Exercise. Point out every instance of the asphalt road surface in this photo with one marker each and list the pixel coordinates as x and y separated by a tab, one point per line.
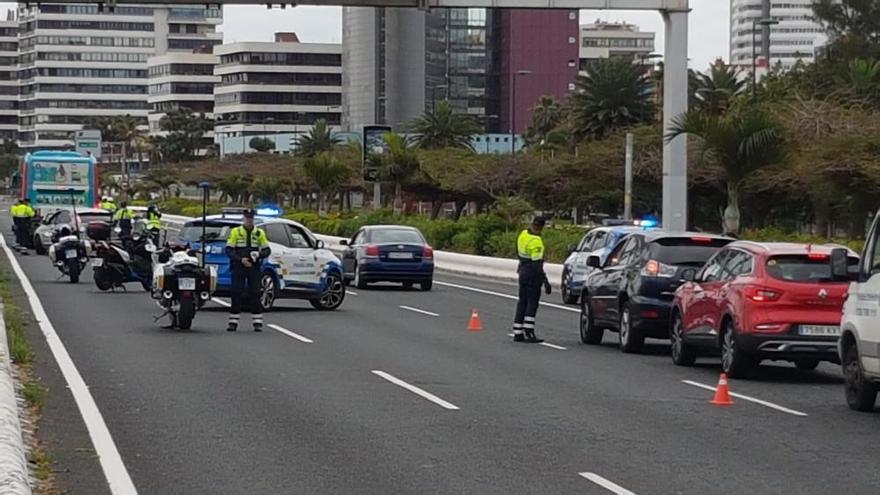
391	394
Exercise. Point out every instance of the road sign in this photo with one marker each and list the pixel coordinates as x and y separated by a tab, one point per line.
88	142
374	144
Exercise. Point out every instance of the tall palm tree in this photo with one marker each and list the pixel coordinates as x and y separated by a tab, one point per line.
319	139
615	93
398	165
327	173
443	128
547	114
740	143
234	187
715	91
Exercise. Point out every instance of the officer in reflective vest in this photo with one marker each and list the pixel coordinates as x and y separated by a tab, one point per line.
123	218
22	213
108	204
154	222
530	251
247	247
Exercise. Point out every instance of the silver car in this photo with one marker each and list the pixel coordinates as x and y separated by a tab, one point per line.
56	220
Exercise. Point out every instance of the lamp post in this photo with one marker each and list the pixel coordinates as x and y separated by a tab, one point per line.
755	23
434	93
521	72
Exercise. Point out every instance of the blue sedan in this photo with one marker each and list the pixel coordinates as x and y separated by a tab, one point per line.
388	253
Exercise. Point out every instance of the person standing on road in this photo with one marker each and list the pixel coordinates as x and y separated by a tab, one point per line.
154	222
247	247
123	218
22	215
108	204
530	251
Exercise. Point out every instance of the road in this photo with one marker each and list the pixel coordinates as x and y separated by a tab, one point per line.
387	399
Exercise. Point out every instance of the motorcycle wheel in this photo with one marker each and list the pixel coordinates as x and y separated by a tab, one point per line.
186	313
73	271
101	280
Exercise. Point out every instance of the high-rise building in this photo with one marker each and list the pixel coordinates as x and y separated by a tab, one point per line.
79	62
181	81
794	39
279	87
8	80
602	40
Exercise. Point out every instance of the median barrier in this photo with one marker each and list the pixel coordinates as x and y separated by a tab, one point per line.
13	459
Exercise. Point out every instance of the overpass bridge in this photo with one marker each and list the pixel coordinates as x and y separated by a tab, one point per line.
675	16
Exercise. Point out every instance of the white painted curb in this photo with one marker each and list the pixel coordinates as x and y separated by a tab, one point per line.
13	460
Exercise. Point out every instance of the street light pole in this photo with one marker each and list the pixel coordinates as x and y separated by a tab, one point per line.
755	22
522	72
434	95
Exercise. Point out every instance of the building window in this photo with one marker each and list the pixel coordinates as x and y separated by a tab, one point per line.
572	16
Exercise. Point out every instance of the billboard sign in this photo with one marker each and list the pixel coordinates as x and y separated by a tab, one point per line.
374	144
88	142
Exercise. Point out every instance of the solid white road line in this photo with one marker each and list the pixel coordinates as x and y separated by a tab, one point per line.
553	346
749	399
290	334
221	302
416	390
606	484
351	293
417	310
111	462
501	294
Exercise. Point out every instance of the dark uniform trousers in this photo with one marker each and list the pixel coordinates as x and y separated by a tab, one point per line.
246	286
527	304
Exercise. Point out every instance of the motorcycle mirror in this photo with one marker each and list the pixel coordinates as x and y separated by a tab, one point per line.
117	230
150	248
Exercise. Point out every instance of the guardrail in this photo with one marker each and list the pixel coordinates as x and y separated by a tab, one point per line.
466	264
13	462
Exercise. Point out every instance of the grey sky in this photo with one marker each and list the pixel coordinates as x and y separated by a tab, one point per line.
708	31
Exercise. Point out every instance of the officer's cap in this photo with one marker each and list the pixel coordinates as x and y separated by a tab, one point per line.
249	213
539	221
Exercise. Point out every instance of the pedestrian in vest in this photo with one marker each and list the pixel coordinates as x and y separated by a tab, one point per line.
123	218
247	247
530	251
22	215
154	222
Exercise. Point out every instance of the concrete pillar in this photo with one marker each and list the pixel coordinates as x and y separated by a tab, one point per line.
675	102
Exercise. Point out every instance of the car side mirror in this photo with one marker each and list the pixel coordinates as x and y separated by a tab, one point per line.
572	248
320	244
343	242
839	264
594	262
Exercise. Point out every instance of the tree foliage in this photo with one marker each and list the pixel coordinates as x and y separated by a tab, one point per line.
615	93
442	127
184	136
318	140
261	144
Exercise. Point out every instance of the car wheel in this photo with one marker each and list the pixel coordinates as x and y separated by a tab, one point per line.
426	285
268	291
333	294
359	282
861	394
734	360
567	296
631	339
408	285
38	245
807	364
682	353
590	334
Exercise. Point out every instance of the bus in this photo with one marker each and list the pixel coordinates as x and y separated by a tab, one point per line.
49	177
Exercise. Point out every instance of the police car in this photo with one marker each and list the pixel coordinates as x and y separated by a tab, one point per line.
299	267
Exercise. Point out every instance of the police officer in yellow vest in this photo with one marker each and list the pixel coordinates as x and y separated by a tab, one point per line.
530	251
22	213
123	218
108	204
247	247
154	222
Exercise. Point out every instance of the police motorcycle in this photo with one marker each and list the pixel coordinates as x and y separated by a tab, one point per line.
116	264
182	284
68	252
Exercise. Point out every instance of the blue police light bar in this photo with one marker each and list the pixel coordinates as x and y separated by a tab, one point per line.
647	223
269	210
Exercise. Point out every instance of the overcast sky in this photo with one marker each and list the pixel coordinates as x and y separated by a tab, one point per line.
708	31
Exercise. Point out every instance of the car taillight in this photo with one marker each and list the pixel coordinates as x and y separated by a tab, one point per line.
373	251
427	252
818	256
701	239
654	268
763	294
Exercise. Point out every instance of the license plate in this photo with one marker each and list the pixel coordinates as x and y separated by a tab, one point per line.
70	253
400	256
98	262
819	330
186	284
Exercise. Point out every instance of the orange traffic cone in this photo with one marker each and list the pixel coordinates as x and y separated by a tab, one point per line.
475	325
722	393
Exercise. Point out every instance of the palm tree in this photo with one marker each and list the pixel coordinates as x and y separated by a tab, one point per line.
714	91
234	187
319	139
398	165
740	143
443	128
163	180
615	93
862	79
268	189
547	114
327	173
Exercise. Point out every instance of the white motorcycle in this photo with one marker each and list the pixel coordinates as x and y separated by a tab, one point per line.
181	286
69	254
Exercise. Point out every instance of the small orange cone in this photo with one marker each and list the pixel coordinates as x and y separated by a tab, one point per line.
475	325
722	393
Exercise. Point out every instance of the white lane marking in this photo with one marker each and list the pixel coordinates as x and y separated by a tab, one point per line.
290	334
351	293
606	484
506	296
417	310
221	302
111	462
553	346
749	399
416	390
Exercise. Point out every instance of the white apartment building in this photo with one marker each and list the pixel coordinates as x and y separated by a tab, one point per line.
8	80
277	87
602	40
180	80
79	62
795	38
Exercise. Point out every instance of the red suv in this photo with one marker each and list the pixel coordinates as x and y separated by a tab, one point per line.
755	301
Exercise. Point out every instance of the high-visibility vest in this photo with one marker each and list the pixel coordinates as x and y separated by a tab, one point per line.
123	214
22	211
529	247
154	220
239	238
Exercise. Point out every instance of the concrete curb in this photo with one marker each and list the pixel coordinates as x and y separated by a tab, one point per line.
13	461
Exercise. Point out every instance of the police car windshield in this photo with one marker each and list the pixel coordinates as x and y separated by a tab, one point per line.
213	232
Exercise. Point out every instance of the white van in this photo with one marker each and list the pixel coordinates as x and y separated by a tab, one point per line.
859	343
